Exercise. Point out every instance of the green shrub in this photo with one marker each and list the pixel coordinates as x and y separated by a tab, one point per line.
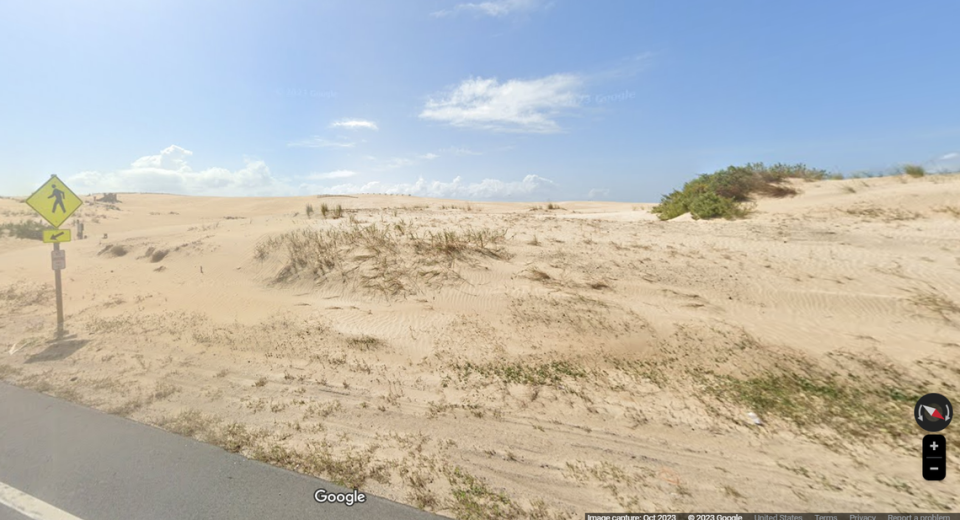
711	205
28	229
672	206
309	210
914	170
722	193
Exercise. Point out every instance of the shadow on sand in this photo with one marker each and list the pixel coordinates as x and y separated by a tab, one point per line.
58	349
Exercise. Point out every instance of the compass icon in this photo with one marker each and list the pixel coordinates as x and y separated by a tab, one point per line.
933	412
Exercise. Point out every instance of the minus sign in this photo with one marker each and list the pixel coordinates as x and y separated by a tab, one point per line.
934	469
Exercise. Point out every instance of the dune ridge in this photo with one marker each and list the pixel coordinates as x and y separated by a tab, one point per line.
506	360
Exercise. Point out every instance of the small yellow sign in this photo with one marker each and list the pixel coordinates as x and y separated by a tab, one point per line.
56	236
54	201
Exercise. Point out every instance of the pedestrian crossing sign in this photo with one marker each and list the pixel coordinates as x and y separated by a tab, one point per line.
54	201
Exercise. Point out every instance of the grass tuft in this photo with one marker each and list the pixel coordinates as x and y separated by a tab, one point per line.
365	343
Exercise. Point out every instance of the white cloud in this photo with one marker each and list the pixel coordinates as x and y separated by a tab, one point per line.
946	163
485	189
495	8
354	124
399	162
598	193
319	142
514	106
168	172
336	174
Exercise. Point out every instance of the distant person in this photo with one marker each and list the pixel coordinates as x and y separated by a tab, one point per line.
59	194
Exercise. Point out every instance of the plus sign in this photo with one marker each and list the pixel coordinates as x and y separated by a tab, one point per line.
934	446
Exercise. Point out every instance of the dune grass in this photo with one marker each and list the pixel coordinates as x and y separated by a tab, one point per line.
389	259
810	399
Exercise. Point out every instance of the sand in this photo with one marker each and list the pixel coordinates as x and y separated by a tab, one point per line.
507	360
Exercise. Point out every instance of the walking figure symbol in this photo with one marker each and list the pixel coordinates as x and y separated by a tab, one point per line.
58	194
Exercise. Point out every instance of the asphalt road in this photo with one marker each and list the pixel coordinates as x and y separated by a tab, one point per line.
62	461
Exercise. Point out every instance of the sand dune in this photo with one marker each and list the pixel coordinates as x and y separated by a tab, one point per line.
542	362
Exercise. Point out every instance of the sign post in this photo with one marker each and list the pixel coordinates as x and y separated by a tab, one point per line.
60	256
55	202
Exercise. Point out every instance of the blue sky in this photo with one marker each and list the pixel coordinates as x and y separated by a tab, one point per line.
499	99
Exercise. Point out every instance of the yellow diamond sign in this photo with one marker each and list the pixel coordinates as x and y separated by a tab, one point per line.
54	201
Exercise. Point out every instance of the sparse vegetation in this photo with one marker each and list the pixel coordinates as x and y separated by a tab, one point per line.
25	229
552	372
114	250
725	192
163	390
914	170
189	423
936	302
953	211
365	343
309	210
884	214
23	294
348	468
391	260
473	499
540	276
810	398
